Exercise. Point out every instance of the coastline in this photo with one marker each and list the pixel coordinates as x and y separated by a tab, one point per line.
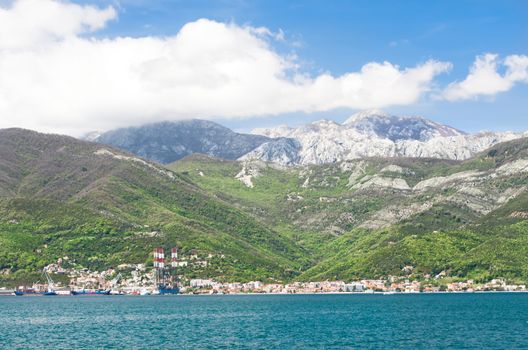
274	294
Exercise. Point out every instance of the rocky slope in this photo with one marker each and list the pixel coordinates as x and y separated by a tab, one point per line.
372	192
372	134
374	216
166	142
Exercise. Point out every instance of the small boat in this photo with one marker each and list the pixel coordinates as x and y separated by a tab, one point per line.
102	292
4	292
18	293
116	292
164	289
79	292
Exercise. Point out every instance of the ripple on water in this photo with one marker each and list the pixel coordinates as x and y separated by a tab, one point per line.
266	322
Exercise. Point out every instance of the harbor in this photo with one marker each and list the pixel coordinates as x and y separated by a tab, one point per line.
164	277
159	286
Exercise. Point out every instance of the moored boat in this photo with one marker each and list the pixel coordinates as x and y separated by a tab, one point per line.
168	290
102	292
5	292
90	292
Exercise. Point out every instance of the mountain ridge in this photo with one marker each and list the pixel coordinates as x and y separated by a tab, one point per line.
165	142
371	217
370	133
374	133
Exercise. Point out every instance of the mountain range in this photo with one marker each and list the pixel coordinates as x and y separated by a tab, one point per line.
371	133
306	215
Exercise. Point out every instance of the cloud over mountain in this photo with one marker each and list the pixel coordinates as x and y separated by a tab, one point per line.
60	73
56	74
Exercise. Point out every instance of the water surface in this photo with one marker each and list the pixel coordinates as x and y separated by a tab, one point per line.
424	321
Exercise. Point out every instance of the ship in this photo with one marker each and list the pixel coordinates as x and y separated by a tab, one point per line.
4	292
90	292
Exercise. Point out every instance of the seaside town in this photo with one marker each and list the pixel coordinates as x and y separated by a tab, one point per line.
138	279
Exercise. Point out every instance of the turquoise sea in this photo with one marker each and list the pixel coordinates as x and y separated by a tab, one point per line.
418	321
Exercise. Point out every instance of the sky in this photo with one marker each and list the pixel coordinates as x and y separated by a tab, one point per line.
77	66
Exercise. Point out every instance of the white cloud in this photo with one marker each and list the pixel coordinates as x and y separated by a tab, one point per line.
30	23
484	78
55	76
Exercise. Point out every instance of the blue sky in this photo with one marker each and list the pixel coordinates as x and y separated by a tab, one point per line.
338	37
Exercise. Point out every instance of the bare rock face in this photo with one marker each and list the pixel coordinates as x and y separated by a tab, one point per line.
383	182
249	171
444	180
395	128
375	134
283	151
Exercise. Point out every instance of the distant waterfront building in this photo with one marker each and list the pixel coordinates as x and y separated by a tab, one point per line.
201	283
354	287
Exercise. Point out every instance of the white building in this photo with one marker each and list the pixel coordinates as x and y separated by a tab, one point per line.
356	287
200	283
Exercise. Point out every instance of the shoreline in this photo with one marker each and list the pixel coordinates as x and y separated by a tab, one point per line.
278	294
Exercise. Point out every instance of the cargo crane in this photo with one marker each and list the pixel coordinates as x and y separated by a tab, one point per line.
166	279
114	283
51	284
116	280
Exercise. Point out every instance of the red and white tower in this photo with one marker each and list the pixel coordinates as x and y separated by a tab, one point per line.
159	265
166	279
174	257
159	258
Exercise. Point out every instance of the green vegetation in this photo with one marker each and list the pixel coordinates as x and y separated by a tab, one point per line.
461	254
65	200
97	208
330	218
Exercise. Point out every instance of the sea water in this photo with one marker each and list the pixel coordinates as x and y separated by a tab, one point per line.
417	321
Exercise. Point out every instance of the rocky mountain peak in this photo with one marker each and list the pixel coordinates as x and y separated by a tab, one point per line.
373	133
365	114
395	128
